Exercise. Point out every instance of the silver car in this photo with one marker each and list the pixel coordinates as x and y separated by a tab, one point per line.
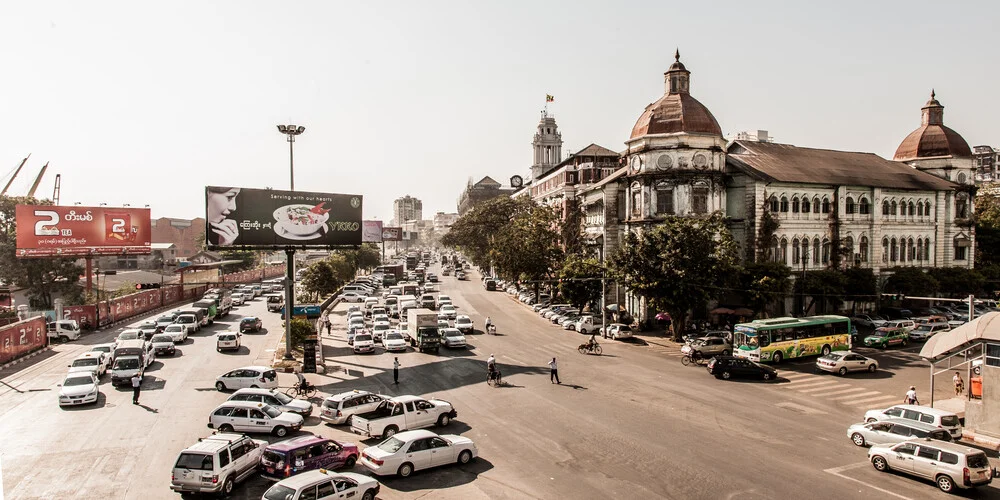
894	430
846	361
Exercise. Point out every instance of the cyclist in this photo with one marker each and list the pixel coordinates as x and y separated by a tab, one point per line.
491	369
303	383
592	342
489	323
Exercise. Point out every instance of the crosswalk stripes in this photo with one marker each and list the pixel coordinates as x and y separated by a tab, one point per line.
843	391
855	396
824	389
872	400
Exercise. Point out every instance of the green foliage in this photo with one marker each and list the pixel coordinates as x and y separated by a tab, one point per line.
328	275
571	229
958	282
367	257
474	233
248	260
991	272
911	281
579	280
300	329
678	264
769	225
861	284
43	277
987	230
764	283
824	289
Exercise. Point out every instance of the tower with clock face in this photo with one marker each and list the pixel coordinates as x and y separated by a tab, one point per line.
676	156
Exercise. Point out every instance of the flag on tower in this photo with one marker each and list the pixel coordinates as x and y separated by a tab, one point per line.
549	98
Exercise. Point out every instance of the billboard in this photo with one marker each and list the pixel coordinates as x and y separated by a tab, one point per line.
268	218
50	230
371	231
392	234
21	338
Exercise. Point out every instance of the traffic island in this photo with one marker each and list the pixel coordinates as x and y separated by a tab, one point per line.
298	356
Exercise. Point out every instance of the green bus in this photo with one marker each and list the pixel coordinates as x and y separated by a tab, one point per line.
776	339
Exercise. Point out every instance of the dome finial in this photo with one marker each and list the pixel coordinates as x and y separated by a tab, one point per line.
677	54
932	94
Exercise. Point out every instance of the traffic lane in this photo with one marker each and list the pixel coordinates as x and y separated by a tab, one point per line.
901	486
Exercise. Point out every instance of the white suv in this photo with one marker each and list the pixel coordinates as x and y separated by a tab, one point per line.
949	465
215	463
339	408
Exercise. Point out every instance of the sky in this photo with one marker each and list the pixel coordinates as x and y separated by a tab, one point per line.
146	103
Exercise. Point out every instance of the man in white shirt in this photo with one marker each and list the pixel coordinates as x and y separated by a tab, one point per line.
554	372
911	396
136	387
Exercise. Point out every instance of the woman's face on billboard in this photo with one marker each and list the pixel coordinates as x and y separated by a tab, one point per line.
221	204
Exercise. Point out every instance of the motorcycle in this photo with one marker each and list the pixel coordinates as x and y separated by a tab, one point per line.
588	348
491	330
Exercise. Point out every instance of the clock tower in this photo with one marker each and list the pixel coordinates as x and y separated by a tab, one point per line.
547	146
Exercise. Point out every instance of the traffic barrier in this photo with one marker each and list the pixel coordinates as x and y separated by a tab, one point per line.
22	338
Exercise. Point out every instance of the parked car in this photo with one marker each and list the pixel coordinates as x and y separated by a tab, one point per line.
305	453
79	388
216	463
251	324
884	337
274	398
726	367
402	413
339	408
618	331
842	362
409	451
249	376
324	484
934	416
951	466
893	430
246	416
867	320
353	296
925	331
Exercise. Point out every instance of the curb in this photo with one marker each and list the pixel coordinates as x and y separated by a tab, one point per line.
982	440
320	356
24	358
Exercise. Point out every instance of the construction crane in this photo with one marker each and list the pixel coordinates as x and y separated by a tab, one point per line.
34	187
55	190
11	181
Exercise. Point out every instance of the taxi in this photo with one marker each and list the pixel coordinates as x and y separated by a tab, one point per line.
884	337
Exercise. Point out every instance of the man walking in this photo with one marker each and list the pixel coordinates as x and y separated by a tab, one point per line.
554	372
911	396
959	384
136	387
395	371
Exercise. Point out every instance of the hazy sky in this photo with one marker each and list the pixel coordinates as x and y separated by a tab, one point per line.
146	103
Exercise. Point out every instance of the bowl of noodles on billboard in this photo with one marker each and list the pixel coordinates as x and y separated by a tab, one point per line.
302	221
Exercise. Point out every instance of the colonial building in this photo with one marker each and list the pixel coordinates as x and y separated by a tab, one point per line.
557	187
485	189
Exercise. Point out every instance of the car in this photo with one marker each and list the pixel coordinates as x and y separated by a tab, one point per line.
324	484
162	322
249	376
339	408
393	341
868	320
363	342
246	416
618	331
237	298
949	465
251	324
934	416
191	321
148	328
707	347
410	451
924	331
452	337
461	276
893	430
569	322
227	341
722	334
108	349
216	463
842	362
727	367
177	332
300	454
445	298
90	361
378	318
274	398
884	337
353	296
130	334
449	311
355	323
163	343
79	388
464	324
558	318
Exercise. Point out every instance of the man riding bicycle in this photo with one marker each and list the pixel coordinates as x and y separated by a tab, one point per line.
592	342
491	370
303	383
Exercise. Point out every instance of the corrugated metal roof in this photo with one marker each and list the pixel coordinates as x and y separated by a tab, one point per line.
787	163
595	150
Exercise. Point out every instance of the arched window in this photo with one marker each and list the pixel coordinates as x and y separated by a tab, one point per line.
961	207
850	205
885	208
636	200
902	249
912	211
699	199
805	205
928	211
961	248
805	251
795	205
920	248
893	250
920	209
816	205
796	252
962	178
894	208
783	256
864	207
816	250
885	249
784	204
826	205
773	249
774	204
826	251
863	248
911	250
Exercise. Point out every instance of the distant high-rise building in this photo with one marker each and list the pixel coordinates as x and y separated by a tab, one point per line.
406	208
986	159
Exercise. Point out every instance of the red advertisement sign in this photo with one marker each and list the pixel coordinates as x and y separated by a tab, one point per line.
50	230
21	338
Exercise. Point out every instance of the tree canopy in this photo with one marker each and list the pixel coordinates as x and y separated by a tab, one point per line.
580	280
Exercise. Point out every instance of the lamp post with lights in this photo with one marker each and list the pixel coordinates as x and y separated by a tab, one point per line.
291	131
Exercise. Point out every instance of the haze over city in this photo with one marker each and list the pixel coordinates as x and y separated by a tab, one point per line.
148	103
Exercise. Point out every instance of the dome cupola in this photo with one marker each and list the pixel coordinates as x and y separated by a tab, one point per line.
932	139
676	111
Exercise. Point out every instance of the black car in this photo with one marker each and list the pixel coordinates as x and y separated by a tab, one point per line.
727	367
250	324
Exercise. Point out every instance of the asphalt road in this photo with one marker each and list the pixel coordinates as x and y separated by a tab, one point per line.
633	423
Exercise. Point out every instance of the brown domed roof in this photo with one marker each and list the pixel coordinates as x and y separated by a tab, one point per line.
932	138
676	113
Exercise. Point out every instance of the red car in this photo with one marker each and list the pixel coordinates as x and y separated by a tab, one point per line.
294	456
250	324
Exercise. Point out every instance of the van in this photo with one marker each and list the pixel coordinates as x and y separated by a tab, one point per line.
951	466
299	454
215	463
427	301
131	357
275	301
938	418
491	285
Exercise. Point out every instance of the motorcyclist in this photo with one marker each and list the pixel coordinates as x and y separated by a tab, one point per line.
592	342
489	323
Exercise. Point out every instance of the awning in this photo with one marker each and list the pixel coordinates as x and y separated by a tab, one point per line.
983	328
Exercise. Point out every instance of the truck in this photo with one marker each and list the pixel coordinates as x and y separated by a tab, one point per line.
210	307
421	327
402	413
391	273
223	298
63	330
411	261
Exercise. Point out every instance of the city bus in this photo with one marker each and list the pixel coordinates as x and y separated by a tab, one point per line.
776	339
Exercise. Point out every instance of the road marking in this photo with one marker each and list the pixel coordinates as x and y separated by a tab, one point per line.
865	400
836	471
799	408
815	383
845	391
794	375
854	396
871	401
818	389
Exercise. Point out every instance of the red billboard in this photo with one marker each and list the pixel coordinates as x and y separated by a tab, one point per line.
56	231
22	338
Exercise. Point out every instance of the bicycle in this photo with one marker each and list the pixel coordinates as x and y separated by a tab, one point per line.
494	379
588	348
294	391
694	357
491	330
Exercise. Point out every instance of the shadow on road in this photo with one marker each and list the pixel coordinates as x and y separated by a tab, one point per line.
461	371
448	476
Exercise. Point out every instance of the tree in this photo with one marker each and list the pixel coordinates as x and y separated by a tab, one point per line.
580	281
958	282
571	229
319	279
861	285
528	248
764	283
300	329
43	277
825	286
911	281
678	264
987	229
367	256
475	233
248	260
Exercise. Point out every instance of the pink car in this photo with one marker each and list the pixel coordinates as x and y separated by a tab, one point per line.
299	454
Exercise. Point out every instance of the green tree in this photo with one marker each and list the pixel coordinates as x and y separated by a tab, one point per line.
825	288
528	248
42	277
580	280
319	279
571	228
248	260
764	283
987	229
678	264
861	285
911	281
958	282
300	329
476	232
367	256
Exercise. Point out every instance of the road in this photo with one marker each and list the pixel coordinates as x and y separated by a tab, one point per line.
633	423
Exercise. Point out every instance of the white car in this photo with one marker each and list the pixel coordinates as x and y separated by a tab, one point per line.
227	341
353	297
355	323
108	349
324	484
339	408
379	318
393	341
248	376
177	332
130	334
444	298
443	323
380	328
246	416
237	298
452	337
846	361
363	342
93	362
409	451
618	331
464	324
274	398
79	388
449	311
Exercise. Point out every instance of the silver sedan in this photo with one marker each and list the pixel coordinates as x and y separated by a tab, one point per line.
846	361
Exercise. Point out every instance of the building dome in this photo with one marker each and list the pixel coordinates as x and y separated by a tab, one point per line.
932	139
676	111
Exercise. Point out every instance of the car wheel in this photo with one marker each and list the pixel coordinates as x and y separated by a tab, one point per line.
842	371
726	375
826	350
369	495
725	352
280	431
349	421
777	357
870	420
225	428
444	420
227	487
858	439
405	470
880	463
389	432
872	368
465	457
351	460
767	376
220	386
63	338
945	483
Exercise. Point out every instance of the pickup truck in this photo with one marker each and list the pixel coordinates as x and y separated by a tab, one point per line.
402	413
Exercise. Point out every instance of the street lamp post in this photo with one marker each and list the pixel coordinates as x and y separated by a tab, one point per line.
805	261
291	131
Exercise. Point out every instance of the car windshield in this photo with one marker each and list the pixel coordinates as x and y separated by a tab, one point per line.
174	328
880	333
128	336
102	348
464	320
949	421
393	336
834	356
161	338
271	411
227	336
363	338
148	324
165	319
391	445
282	397
127	364
71	381
248	320
922	328
452	333
381	327
86	362
194	461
